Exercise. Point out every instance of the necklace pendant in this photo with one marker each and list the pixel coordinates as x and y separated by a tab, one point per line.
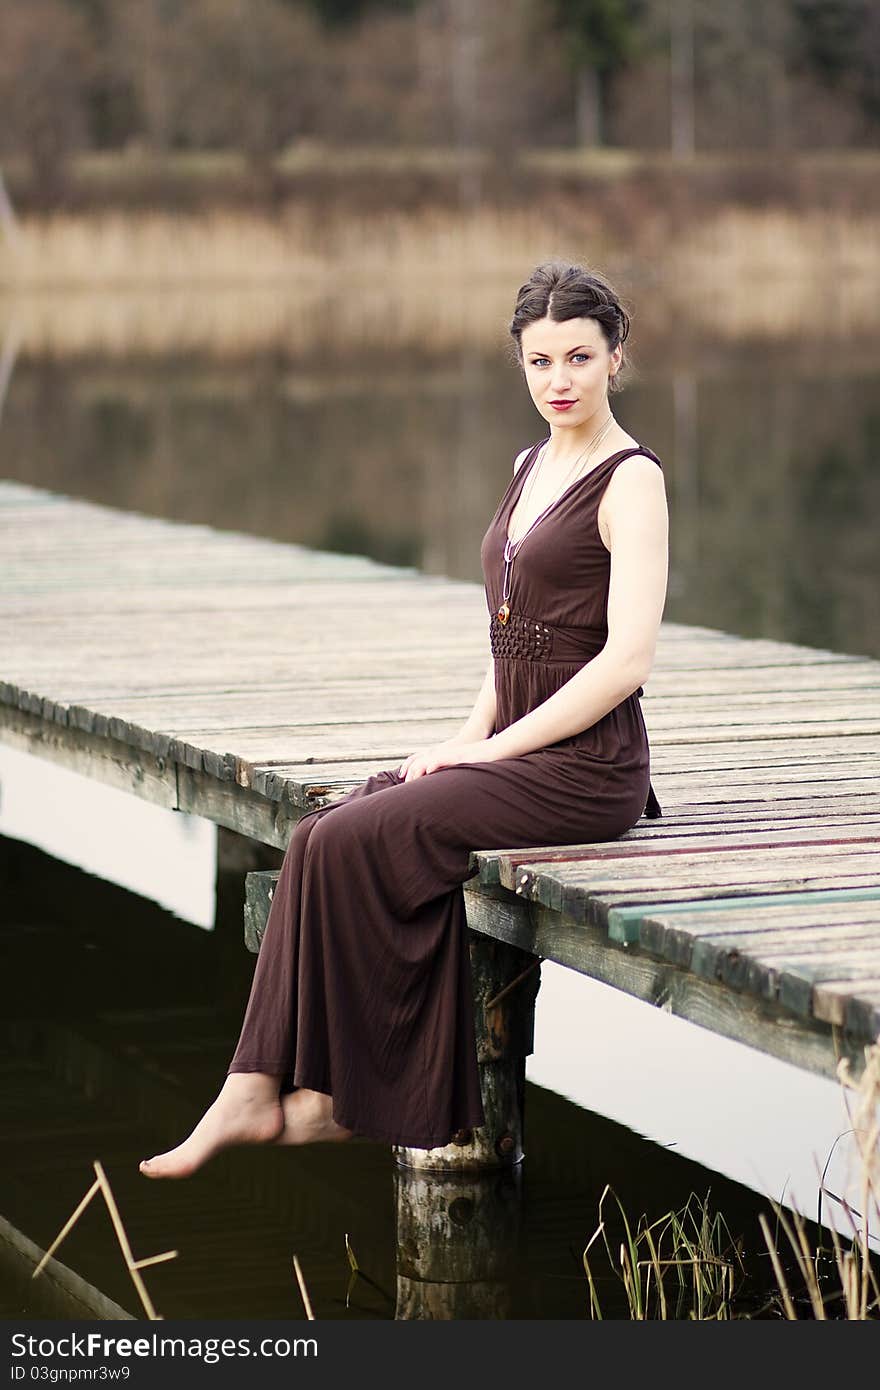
503	613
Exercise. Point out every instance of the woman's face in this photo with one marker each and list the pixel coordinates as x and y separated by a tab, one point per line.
567	366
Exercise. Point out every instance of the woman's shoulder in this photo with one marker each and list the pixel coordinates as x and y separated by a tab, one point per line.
523	455
637	458
635	479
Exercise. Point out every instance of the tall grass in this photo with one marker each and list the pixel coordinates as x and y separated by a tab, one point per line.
686	1265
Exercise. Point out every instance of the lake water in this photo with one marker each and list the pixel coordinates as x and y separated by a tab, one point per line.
124	1001
769	448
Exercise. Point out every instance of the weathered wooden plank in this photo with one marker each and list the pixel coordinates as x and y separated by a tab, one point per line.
357	700
797	976
558	876
254	745
238	808
864	832
115	764
761	753
626	922
675	935
746	963
593	874
767	1026
849	1003
696	782
611	899
686	814
458	633
862	1011
678	759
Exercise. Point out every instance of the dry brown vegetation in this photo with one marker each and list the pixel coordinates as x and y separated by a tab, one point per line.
233	282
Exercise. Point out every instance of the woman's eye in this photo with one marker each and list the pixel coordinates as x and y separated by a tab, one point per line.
575	357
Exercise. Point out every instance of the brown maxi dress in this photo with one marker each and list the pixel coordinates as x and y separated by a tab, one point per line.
362	987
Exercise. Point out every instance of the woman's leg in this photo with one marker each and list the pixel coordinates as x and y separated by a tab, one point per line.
362	990
286	993
248	1110
373	993
251	1107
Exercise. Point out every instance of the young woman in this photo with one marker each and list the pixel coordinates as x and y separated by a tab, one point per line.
360	1018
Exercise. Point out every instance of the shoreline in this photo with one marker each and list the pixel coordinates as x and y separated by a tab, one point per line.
422	248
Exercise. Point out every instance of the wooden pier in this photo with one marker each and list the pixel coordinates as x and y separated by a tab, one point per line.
249	681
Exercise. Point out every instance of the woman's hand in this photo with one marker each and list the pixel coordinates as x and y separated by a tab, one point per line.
446	754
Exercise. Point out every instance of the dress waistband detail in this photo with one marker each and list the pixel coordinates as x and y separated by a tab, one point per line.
529	639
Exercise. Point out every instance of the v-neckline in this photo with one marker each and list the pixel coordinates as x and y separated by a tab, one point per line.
525	470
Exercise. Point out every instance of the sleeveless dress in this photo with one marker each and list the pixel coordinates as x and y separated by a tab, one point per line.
362	986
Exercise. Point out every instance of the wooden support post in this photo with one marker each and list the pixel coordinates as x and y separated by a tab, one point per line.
506	981
457	1242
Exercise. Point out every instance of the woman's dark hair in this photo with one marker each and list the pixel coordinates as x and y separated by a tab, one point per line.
560	291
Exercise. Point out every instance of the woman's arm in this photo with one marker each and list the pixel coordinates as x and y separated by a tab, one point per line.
481	720
475	733
638	522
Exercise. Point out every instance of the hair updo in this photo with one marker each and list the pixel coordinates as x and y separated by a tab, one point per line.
560	291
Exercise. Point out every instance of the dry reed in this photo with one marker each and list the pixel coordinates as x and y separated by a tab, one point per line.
708	1264
134	1267
859	1291
304	1293
231	283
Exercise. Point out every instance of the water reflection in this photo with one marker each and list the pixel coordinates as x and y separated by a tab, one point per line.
770	464
160	854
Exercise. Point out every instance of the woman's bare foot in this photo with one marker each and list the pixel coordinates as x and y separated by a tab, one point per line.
308	1119
247	1111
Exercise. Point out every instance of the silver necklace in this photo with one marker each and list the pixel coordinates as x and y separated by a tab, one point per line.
511	547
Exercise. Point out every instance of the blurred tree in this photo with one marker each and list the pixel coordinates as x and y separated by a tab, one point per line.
220	74
682	57
249	65
45	64
840	42
110	100
742	59
602	37
144	48
478	75
341	12
830	33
